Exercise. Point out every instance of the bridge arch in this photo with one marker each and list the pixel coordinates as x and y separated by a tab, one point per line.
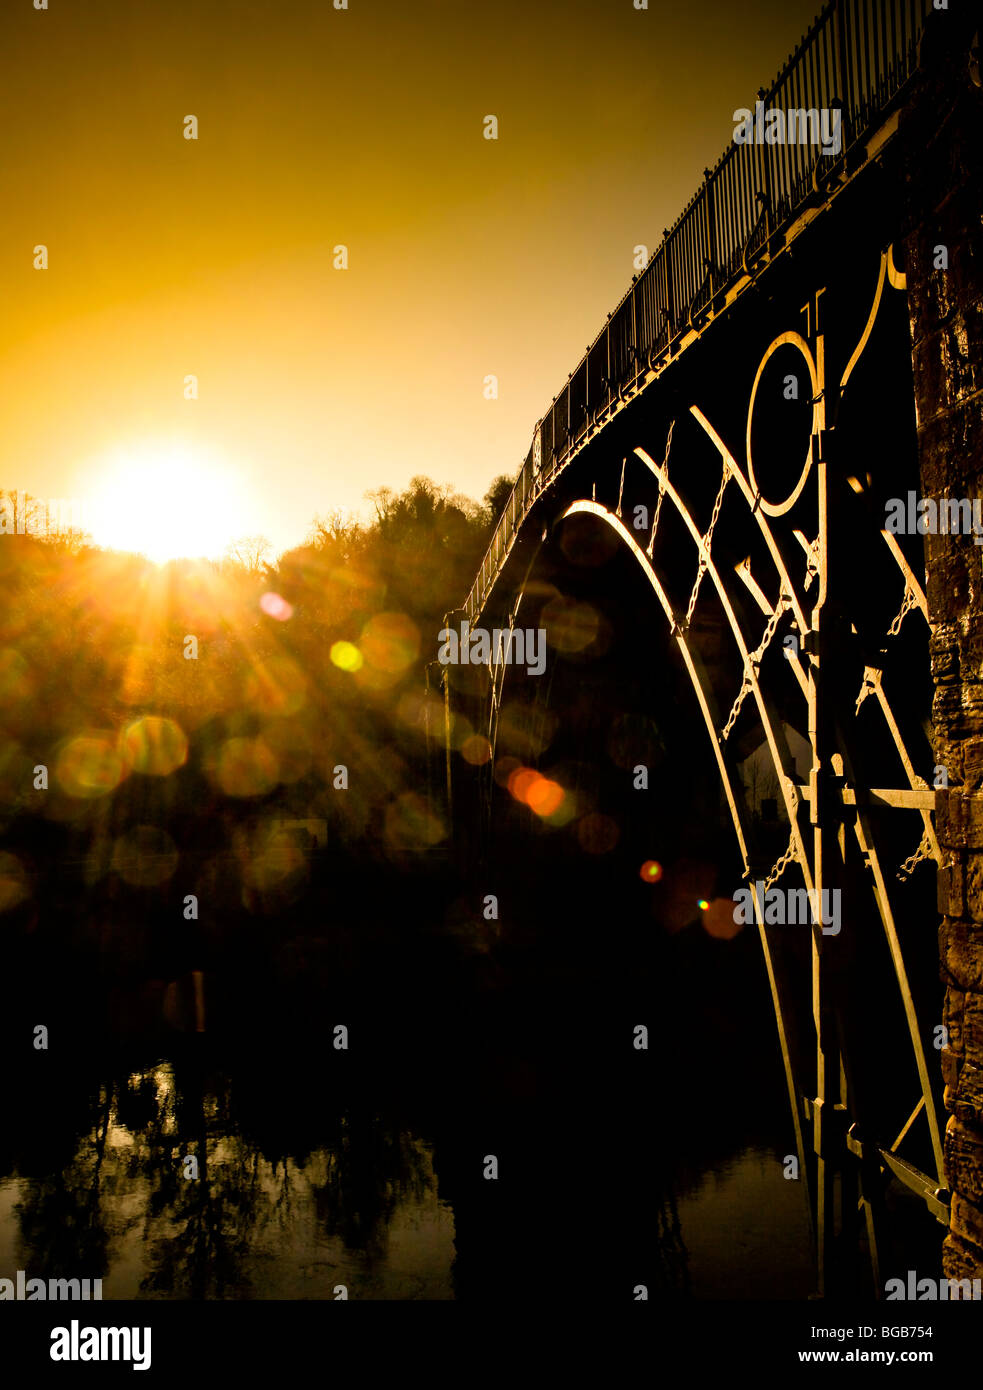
803	653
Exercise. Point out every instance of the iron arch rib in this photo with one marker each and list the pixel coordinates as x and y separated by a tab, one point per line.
706	701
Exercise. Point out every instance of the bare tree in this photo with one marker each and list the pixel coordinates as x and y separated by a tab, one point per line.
338	530
20	513
249	553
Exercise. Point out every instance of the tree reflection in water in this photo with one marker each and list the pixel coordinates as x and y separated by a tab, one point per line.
308	1174
364	1168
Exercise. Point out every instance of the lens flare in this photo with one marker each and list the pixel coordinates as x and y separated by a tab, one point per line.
651	871
145	857
275	860
16	682
570	626
539	793
544	797
346	656
597	834
246	767
718	919
90	766
461	731
525	729
390	642
291	746
504	768
154	746
410	825
520	781
476	750
276	607
276	685
15	886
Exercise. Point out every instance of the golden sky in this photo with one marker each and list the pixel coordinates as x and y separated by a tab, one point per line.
316	126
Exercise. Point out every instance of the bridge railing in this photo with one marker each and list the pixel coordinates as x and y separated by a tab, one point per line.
854	59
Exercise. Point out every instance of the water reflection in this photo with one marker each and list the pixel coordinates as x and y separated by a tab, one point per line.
743	1219
320	1167
361	1210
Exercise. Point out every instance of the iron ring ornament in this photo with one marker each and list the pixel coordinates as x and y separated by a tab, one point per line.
789	339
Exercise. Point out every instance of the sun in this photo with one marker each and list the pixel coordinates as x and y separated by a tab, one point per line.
167	501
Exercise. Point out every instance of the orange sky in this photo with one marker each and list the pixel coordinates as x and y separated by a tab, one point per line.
316	127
